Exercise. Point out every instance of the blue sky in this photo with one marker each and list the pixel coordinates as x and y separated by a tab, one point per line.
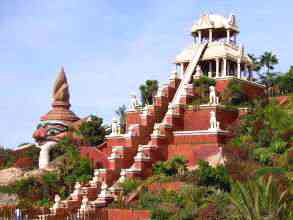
108	48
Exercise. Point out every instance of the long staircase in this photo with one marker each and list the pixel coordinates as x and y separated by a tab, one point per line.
134	153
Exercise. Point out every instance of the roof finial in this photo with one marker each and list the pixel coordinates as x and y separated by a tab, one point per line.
61	88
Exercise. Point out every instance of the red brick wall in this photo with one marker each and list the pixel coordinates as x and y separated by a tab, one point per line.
127	214
97	157
251	90
200	120
196	120
192	152
132	118
168	186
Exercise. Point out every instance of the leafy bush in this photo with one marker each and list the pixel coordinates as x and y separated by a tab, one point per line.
202	88
177	165
278	146
234	94
263	155
210	176
129	185
92	132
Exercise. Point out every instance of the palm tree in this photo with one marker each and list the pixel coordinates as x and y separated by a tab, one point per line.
268	60
148	91
260	199
121	113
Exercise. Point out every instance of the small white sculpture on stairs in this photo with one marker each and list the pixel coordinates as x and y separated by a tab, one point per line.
116	128
122	176
76	191
57	203
214	124
214	100
134	103
157	130
198	72
94	181
84	204
174	75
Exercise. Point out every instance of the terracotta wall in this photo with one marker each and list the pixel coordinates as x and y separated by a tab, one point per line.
192	152
126	214
251	90
200	120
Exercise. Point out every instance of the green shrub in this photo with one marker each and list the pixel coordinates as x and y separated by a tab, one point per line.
263	155
177	165
92	132
278	146
210	176
129	185
161	214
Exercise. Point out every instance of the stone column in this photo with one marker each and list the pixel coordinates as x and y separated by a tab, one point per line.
224	68
210	69
210	35
239	68
182	70
199	36
228	36
246	71
217	67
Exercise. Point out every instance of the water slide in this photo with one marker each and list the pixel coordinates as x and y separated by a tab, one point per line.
188	73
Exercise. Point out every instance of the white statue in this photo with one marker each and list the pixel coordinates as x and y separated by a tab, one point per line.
214	100
76	191
57	203
122	176
157	129
84	204
104	191
44	157
198	72
174	75
214	124
116	129
134	102
94	181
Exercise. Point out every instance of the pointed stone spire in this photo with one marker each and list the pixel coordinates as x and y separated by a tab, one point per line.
61	89
61	101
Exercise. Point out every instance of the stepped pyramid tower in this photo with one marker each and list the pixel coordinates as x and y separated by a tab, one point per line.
171	126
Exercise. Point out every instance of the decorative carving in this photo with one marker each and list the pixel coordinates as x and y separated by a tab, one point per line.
214	124
116	128
134	103
76	191
61	88
214	100
57	203
84	204
198	72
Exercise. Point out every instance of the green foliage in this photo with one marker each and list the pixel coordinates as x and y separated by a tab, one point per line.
129	185
269	170
148	91
92	131
265	133
8	157
161	214
263	155
278	146
213	176
234	94
202	88
260	199
181	204
177	165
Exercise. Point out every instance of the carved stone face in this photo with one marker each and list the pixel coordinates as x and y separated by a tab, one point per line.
50	131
